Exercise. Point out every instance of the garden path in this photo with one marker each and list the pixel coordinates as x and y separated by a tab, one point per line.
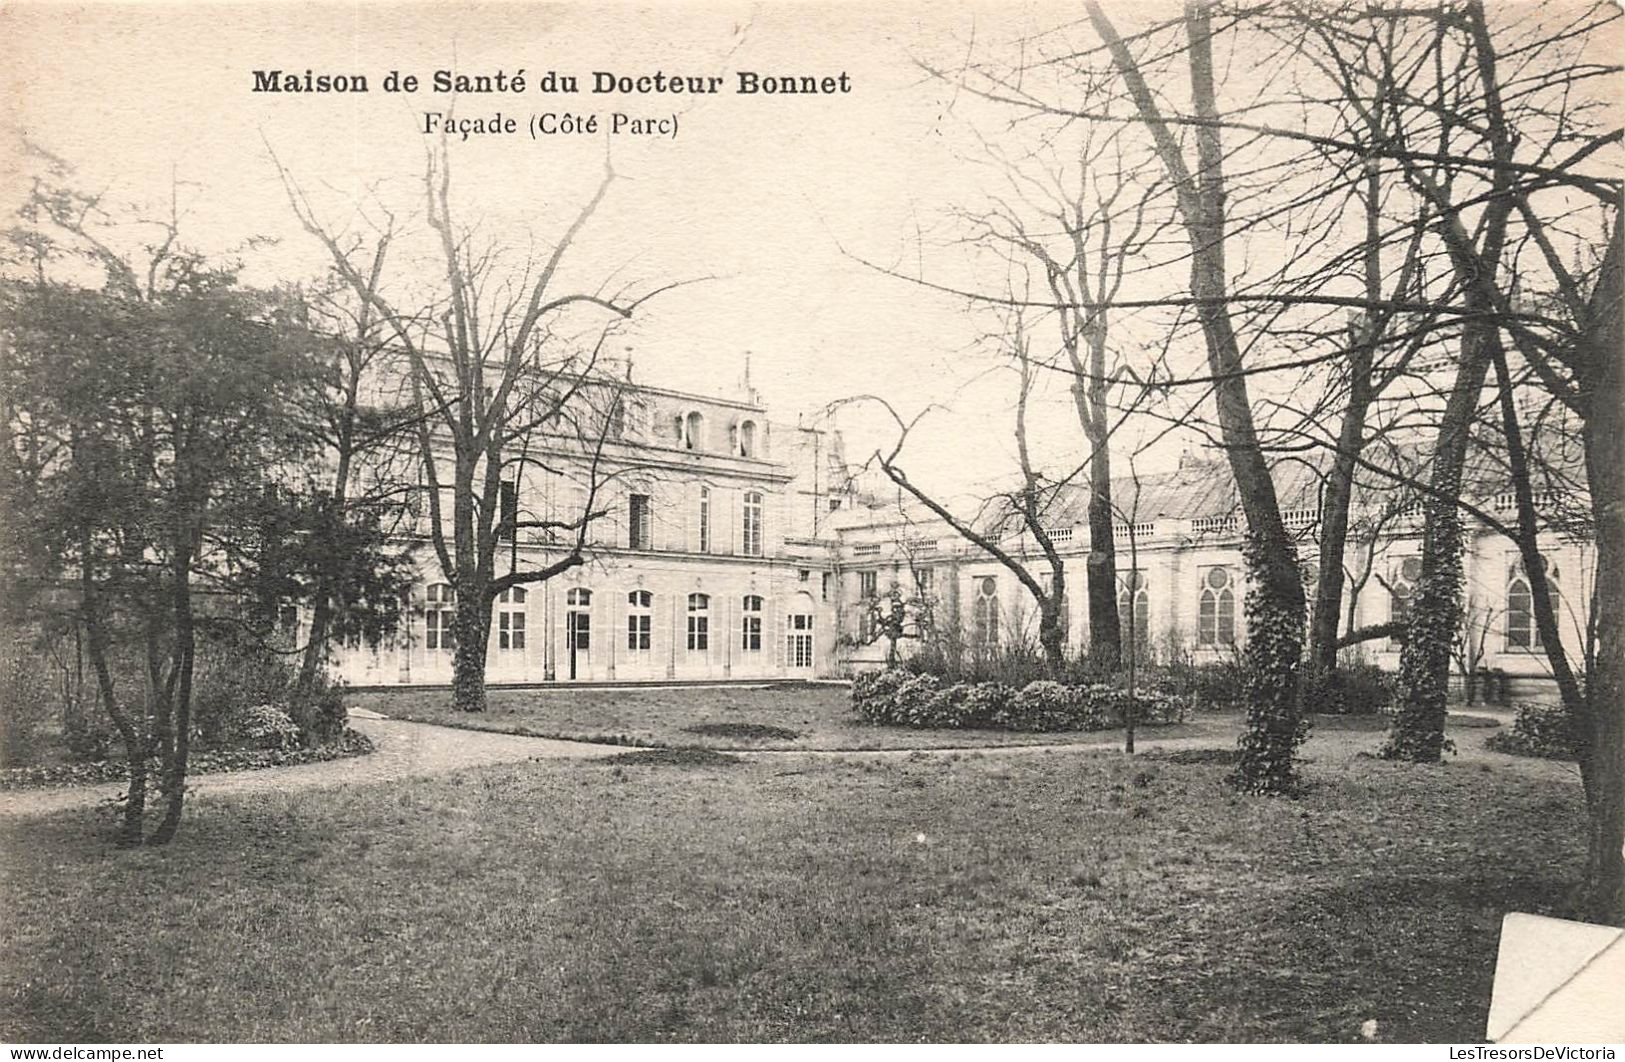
402	750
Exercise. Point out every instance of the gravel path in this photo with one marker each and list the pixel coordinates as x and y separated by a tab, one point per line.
403	750
410	750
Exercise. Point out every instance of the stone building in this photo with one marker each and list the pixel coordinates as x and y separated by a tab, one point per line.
734	547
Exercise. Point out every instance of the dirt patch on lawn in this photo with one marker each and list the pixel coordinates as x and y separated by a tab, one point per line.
690	756
744	731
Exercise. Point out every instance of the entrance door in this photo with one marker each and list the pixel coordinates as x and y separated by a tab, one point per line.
578	637
578	631
799	651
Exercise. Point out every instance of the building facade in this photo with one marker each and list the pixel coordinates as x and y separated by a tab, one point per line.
734	547
709	560
1182	581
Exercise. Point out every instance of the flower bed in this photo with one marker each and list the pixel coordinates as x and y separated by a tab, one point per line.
210	761
898	698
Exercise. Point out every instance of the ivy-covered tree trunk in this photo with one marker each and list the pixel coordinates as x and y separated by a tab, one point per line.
1417	730
1276	725
471	624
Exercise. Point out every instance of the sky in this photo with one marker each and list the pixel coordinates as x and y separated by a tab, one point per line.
765	204
771	210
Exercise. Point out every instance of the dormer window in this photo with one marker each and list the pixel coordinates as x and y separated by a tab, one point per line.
693	431
747	439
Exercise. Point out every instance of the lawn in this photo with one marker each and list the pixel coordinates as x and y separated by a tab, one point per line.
1071	895
819	716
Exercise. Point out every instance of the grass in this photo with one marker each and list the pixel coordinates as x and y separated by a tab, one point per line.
785	716
1075	895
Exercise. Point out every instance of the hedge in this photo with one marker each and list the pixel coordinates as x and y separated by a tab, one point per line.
897	698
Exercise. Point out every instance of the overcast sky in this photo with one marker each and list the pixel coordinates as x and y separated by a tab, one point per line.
774	198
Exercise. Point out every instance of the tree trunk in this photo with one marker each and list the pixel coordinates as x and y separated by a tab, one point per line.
1275	613
1602	729
321	617
471	623
180	701
1334	527
1052	637
1417	731
1105	631
135	745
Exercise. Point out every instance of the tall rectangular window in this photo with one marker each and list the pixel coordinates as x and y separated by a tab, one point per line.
750	636
437	618
639	621
699	623
511	619
705	520
752	537
510	510
639	522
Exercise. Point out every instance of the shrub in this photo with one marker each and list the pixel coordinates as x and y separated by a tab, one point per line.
1044	705
873	692
984	702
1538	730
235	678
26	703
914	703
1355	688
260	726
899	698
319	711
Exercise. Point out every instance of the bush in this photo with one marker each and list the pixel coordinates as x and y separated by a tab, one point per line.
26	703
1538	730
319	711
873	691
1355	688
899	698
260	726
233	679
1044	705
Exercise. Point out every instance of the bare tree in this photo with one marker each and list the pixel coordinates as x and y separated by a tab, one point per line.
488	373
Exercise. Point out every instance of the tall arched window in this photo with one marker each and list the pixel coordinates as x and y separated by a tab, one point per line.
639	621
694	432
1522	632
705	520
699	623
747	439
1216	612
1132	594
985	614
437	618
752	531
511	620
750	627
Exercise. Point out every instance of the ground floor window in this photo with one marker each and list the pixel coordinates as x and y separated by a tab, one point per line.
639	621
437	618
799	647
750	627
511	620
1216	611
699	623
